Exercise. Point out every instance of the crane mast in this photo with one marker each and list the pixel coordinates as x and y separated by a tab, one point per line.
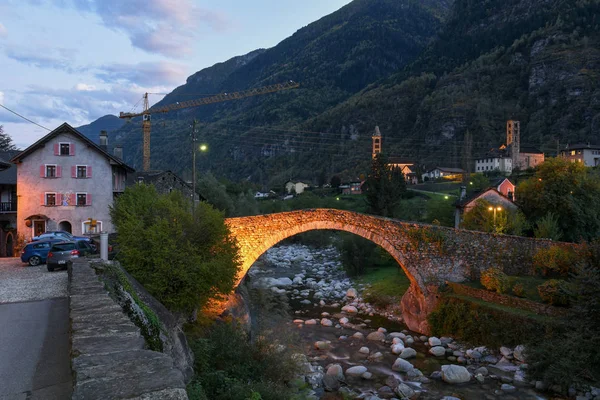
147	111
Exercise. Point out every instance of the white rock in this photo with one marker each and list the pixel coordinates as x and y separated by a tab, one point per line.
507	388
402	365
326	322
310	322
382	330
356	371
321	303
377	336
519	353
367	375
397	340
505	351
358	335
433	341
437	351
351	293
376	356
350	309
408	353
455	374
364	350
298	321
398	335
409	341
344	320
397	348
404	391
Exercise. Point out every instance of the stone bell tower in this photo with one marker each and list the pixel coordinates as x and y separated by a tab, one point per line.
513	141
376	142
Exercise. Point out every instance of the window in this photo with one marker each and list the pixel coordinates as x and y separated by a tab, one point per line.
50	199
65	149
50	171
572	152
81	171
81	199
41	246
62	247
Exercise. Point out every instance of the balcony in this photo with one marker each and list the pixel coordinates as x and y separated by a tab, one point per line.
8	207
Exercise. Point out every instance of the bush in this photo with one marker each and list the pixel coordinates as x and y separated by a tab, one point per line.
519	290
183	260
377	299
554	260
555	292
496	280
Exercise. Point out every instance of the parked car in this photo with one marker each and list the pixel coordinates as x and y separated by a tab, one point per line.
35	253
61	254
63	235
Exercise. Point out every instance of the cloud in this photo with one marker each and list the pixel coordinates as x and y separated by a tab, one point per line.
3	31
167	27
1	97
144	73
57	58
84	87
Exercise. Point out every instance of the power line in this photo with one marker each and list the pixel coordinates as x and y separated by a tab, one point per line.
25	118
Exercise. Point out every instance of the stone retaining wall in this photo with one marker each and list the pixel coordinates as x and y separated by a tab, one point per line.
109	359
510	301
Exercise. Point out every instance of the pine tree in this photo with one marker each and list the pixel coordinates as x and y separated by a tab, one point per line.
385	187
6	143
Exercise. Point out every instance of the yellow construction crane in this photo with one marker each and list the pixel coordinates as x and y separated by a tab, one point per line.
195	103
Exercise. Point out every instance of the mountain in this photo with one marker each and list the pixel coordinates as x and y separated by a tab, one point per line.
107	123
425	71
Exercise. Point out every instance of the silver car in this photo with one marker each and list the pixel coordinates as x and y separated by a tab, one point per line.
61	254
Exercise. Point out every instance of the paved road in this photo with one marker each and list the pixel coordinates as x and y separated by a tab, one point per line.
34	335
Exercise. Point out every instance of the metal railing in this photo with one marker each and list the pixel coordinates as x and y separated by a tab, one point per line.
8	206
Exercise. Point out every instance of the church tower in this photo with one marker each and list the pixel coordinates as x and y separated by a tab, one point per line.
513	141
376	142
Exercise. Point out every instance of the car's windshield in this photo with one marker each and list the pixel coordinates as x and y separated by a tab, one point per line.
63	247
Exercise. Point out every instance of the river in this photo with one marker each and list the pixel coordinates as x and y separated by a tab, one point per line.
296	291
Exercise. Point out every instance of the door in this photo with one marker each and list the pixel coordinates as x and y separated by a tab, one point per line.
39	227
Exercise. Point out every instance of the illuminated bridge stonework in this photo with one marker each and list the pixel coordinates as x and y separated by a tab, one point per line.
429	255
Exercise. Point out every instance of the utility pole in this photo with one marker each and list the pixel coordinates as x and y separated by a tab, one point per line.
194	165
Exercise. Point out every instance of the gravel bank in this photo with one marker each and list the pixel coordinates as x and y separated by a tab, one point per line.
20	282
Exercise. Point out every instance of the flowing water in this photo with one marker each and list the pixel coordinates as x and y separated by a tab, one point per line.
295	282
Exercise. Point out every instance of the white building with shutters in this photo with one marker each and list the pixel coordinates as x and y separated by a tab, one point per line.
64	181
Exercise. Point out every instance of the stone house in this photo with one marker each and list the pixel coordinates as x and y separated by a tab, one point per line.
67	182
8	203
164	182
587	154
500	194
296	187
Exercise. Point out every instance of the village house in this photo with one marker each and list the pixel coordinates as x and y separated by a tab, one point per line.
587	154
501	195
67	182
295	187
164	182
511	155
352	188
453	174
8	203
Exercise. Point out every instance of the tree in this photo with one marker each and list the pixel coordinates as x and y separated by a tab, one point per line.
336	181
216	194
182	259
477	183
480	218
385	187
568	190
6	143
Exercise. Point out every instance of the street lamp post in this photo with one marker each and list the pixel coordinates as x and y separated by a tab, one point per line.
494	209
194	165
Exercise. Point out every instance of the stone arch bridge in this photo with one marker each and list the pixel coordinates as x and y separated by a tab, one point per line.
429	255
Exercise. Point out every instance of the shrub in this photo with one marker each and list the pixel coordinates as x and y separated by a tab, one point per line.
554	260
377	299
496	280
555	292
519	290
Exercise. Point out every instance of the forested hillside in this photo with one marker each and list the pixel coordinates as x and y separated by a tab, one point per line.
425	72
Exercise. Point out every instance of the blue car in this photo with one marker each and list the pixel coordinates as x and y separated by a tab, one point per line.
35	253
63	235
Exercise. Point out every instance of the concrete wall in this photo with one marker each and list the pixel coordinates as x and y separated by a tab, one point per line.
31	187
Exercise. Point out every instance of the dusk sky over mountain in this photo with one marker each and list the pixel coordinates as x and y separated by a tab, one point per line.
77	60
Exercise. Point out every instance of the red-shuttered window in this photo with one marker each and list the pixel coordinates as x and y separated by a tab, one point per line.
49	199
84	199
64	149
50	171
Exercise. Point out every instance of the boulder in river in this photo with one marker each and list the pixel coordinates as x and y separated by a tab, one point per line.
337	371
330	383
408	353
351	293
402	365
344	320
397	348
356	371
358	335
364	350
404	391
455	374
437	351
433	341
377	336
326	322
519	353
323	345
310	322
350	309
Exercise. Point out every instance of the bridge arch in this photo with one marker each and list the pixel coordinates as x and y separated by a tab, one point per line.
256	234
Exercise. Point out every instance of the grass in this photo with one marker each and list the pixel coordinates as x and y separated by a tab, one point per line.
500	307
388	280
530	284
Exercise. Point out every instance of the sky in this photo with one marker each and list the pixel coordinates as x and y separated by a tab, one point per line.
77	60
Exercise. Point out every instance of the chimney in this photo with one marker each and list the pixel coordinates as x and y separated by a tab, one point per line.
104	140
118	152
463	193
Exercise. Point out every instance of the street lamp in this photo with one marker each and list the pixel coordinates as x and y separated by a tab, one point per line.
494	209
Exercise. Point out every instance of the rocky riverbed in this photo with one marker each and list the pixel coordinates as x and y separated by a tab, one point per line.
349	347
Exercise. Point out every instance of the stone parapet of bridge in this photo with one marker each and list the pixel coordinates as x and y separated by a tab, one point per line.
428	254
